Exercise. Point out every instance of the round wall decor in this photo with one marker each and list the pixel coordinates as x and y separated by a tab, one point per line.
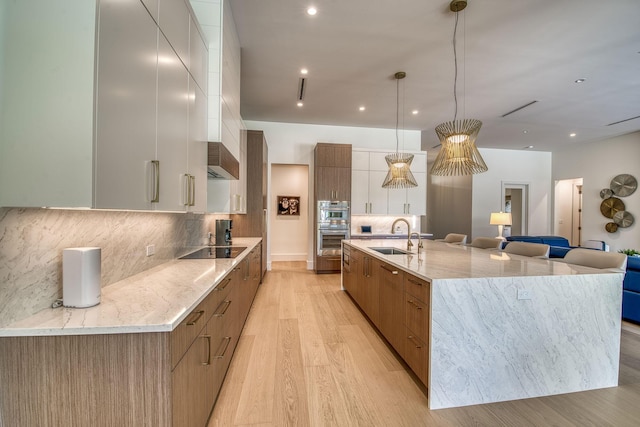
610	206
624	219
611	227
623	185
605	193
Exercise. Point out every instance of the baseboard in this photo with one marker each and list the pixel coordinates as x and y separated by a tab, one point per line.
289	257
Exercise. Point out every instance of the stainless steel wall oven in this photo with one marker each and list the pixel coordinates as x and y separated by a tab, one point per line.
333	226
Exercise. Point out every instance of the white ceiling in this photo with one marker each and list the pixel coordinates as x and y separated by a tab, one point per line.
517	51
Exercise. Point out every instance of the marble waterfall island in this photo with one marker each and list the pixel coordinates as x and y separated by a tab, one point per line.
505	327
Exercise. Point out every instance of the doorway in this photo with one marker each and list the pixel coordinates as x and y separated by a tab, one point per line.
515	200
568	210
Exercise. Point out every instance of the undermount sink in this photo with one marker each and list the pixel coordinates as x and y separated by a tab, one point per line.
215	252
390	251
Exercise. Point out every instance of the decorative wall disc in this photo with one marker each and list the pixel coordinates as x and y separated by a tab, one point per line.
610	206
611	227
605	193
623	218
623	185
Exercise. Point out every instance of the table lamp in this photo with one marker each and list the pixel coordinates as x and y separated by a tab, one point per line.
500	219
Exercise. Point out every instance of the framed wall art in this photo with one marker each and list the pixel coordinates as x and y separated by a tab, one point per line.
288	205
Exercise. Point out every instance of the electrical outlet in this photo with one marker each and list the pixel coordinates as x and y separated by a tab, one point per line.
524	294
151	249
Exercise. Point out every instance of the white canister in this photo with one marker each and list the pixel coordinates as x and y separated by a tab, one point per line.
81	277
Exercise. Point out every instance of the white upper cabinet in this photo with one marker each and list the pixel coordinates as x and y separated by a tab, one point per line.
126	106
46	126
369	169
197	150
112	125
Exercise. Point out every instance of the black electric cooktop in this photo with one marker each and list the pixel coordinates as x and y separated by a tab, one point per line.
214	252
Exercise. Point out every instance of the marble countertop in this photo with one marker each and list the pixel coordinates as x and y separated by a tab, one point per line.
156	300
439	260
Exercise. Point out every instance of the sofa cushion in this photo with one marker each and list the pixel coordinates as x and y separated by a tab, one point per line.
631	306
632	276
555	241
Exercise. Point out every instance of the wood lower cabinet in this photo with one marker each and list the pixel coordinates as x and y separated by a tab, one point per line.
397	302
163	379
392	305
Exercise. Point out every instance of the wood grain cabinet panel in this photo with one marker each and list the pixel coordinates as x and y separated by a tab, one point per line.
392	305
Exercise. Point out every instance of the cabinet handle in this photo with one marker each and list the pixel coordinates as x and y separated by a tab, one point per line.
408	208
415	282
414	342
222	287
192	193
185	194
413	303
156	181
224	350
208	338
389	270
198	315
220	313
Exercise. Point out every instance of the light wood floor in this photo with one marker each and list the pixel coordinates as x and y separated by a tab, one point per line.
308	357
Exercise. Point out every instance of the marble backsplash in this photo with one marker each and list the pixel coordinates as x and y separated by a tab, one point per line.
381	224
32	240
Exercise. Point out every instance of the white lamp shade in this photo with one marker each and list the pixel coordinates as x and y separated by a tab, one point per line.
500	218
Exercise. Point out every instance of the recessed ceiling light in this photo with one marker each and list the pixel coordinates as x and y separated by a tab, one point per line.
362	108
312	11
299	104
304	71
580	80
414	112
528	147
525	131
572	135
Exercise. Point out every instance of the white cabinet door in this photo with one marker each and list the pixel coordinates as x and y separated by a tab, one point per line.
126	105
173	127
359	191
417	196
360	160
197	149
378	196
397	201
174	23
198	56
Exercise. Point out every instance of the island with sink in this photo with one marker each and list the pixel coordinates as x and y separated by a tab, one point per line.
153	352
478	326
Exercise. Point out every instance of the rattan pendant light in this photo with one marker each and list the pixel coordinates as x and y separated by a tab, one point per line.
458	154
399	175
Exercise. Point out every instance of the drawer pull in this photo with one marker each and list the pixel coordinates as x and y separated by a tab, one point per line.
224	350
220	313
389	270
208	338
415	282
226	283
414	342
198	315
413	303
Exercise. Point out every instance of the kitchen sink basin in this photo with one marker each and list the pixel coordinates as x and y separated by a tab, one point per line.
390	251
215	252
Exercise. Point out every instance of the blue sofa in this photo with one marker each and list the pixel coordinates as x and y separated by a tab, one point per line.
631	291
558	248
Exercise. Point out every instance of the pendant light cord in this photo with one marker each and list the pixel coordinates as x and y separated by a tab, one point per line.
455	78
397	112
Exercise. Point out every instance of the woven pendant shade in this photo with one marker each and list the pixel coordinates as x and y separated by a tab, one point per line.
399	175
459	154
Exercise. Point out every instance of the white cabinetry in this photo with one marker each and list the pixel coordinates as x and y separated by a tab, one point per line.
369	170
109	111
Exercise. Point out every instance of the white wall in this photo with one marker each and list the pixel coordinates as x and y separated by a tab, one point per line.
288	235
292	143
512	166
597	163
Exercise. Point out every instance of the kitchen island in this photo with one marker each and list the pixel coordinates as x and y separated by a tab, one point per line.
493	326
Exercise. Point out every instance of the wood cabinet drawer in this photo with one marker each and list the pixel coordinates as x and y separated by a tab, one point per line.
419	288
416	354
184	334
416	317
